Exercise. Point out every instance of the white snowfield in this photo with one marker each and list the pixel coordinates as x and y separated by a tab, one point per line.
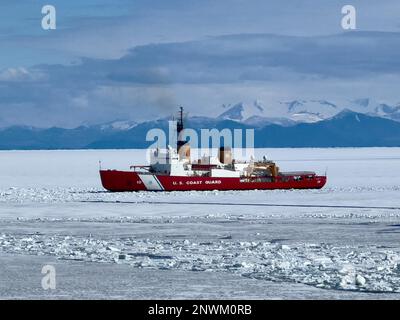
345	236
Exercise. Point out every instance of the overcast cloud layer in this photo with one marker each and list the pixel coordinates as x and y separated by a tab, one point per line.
137	60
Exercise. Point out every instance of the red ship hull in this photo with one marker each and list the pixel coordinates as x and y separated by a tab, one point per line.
117	181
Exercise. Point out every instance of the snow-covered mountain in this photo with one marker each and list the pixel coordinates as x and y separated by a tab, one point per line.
118	125
242	111
290	112
309	110
258	122
390	112
281	112
253	114
345	129
376	108
358	122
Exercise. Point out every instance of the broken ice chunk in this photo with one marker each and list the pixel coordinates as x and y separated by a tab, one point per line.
360	280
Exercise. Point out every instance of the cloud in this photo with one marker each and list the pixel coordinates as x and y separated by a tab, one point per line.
19	75
107	29
238	58
150	80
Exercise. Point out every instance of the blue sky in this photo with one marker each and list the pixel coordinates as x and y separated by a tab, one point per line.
138	59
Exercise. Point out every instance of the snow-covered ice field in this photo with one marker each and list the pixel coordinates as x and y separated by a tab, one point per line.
339	242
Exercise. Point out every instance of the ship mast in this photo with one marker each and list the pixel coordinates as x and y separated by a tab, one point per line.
179	126
183	147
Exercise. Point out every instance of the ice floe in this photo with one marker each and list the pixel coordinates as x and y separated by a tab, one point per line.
360	268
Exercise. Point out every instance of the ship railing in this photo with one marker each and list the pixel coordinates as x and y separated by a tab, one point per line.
135	168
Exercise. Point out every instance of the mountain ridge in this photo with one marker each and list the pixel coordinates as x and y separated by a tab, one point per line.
345	129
